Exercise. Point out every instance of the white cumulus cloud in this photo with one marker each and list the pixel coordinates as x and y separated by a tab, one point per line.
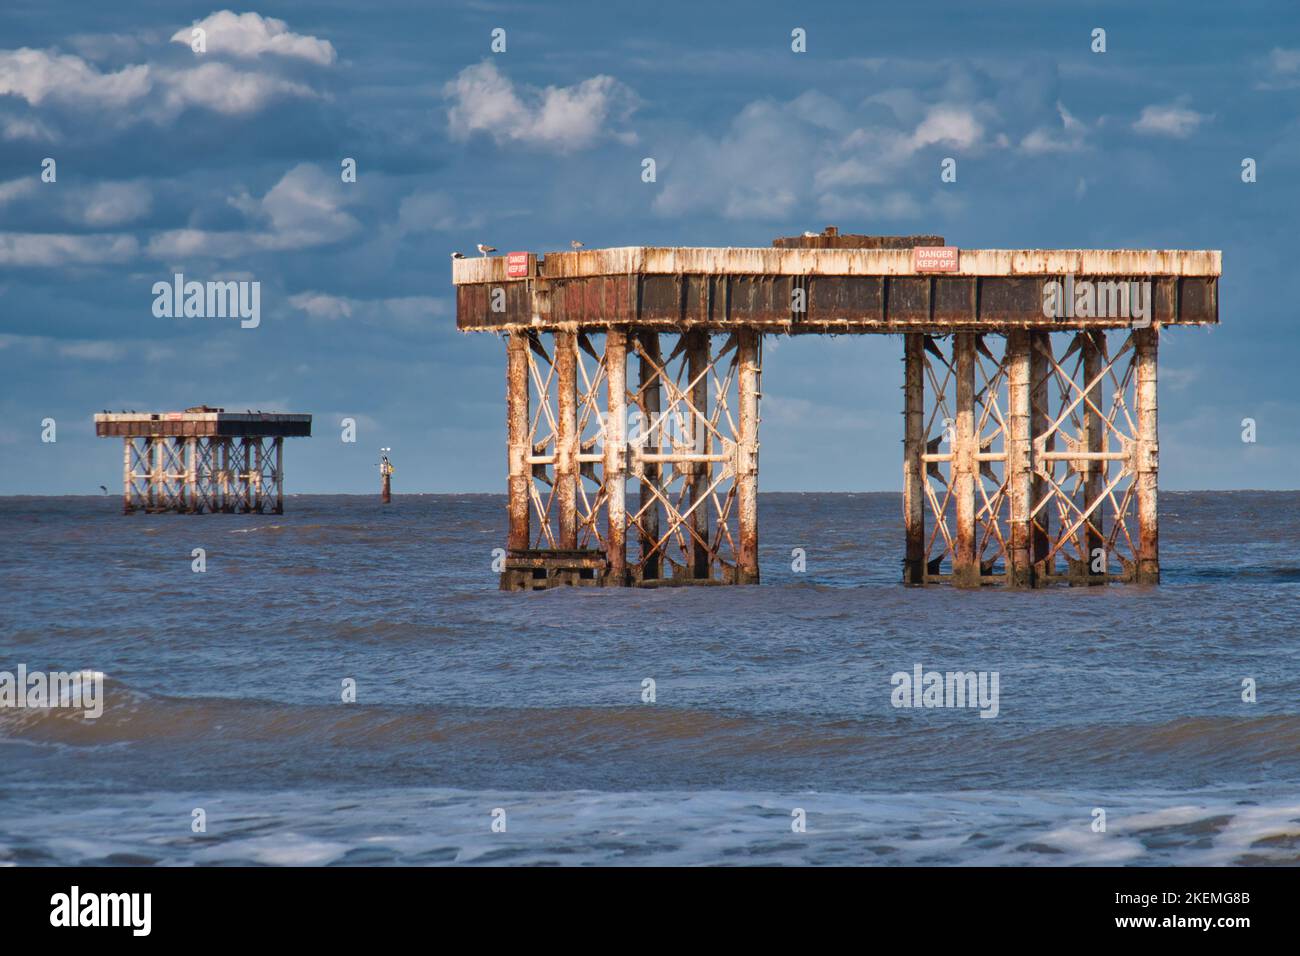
111	204
778	158
15	188
559	118
322	305
62	249
223	89
40	75
410	312
16	128
302	210
250	35
949	125
1175	121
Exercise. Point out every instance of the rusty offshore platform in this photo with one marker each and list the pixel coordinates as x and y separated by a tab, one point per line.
1029	401
202	459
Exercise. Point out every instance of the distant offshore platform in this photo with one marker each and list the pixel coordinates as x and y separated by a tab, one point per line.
202	459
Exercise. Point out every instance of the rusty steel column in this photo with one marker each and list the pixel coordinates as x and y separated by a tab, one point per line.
128	445
191	462
1093	440
517	451
748	370
157	488
566	437
1146	343
279	475
1040	419
697	364
616	455
649	387
226	504
259	458
965	468
913	466
248	475
1019	466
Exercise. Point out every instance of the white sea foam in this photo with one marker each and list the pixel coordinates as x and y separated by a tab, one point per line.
667	828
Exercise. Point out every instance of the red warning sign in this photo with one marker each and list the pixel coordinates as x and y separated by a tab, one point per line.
935	258
518	265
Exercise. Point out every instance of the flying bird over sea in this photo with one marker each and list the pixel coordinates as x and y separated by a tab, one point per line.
576	244
486	249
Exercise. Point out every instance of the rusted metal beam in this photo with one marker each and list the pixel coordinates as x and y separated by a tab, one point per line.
128	485
519	472
848	290
1146	342
1019	467
566	438
191	461
209	424
227	505
697	472
965	467
832	238
279	475
913	449
157	489
615	438
245	452
1040	419
748	372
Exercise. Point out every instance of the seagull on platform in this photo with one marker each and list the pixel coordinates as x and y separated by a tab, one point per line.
810	235
576	245
458	255
485	249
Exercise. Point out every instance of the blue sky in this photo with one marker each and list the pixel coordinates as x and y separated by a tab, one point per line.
225	165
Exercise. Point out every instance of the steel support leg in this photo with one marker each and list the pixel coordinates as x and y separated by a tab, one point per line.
1019	466
748	371
965	467
616	455
913	466
1040	419
1146	342
566	438
517	450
